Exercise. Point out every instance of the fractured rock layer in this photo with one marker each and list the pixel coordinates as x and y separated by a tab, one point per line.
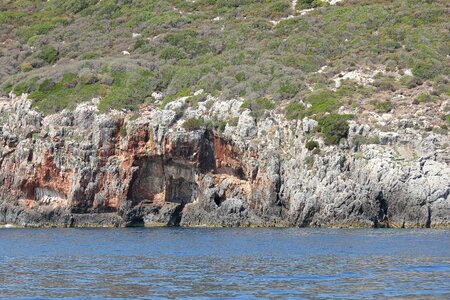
79	168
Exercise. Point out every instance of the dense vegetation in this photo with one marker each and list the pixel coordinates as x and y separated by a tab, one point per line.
65	52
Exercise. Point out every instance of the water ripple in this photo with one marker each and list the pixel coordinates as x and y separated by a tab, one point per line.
171	263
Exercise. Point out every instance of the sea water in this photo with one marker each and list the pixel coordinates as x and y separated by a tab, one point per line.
201	263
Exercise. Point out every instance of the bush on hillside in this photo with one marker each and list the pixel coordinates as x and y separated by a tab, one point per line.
258	106
49	54
311	145
306	4
194	124
384	106
334	128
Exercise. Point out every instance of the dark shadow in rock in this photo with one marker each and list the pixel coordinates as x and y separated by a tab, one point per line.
175	218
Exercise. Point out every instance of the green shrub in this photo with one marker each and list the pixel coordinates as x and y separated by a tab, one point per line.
139	44
362	140
49	54
26	86
258	106
384	106
447	119
294	111
194	124
172	53
322	101
413	82
11	17
306	4
187	41
181	38
201	123
277	9
184	78
46	85
424	97
39	28
123	130
288	89
311	145
8	88
194	100
90	55
76	6
240	76
429	68
334	127
129	90
220	125
51	97
385	84
26	67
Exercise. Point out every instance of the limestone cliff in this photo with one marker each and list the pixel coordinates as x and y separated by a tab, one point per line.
82	168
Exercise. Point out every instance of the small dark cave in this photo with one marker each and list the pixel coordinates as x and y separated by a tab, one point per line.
382	219
157	178
216	148
175	218
219	199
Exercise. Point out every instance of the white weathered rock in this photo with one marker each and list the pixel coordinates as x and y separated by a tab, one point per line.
158	96
309	125
247	125
257	172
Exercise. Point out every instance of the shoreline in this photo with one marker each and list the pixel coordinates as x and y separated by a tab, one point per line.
213	226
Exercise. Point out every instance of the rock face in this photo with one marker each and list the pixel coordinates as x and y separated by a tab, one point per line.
81	168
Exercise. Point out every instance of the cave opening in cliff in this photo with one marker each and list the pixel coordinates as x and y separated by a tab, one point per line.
158	181
220	156
179	190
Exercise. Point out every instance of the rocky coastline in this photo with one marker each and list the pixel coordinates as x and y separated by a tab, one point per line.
80	168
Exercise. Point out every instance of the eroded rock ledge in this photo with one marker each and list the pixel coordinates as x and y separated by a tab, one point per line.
81	168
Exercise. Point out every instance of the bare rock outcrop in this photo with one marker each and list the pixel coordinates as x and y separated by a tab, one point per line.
82	168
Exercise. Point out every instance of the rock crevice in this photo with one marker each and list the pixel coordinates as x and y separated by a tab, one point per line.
81	168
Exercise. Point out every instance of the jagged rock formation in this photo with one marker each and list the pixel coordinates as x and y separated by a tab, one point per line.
79	168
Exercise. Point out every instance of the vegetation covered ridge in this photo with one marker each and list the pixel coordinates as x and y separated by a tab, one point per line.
310	56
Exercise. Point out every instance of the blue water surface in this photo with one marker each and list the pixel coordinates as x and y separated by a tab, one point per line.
174	263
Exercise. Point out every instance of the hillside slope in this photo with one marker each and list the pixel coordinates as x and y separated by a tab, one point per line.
66	52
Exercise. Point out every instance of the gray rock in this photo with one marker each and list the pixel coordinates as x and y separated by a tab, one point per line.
81	168
309	125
